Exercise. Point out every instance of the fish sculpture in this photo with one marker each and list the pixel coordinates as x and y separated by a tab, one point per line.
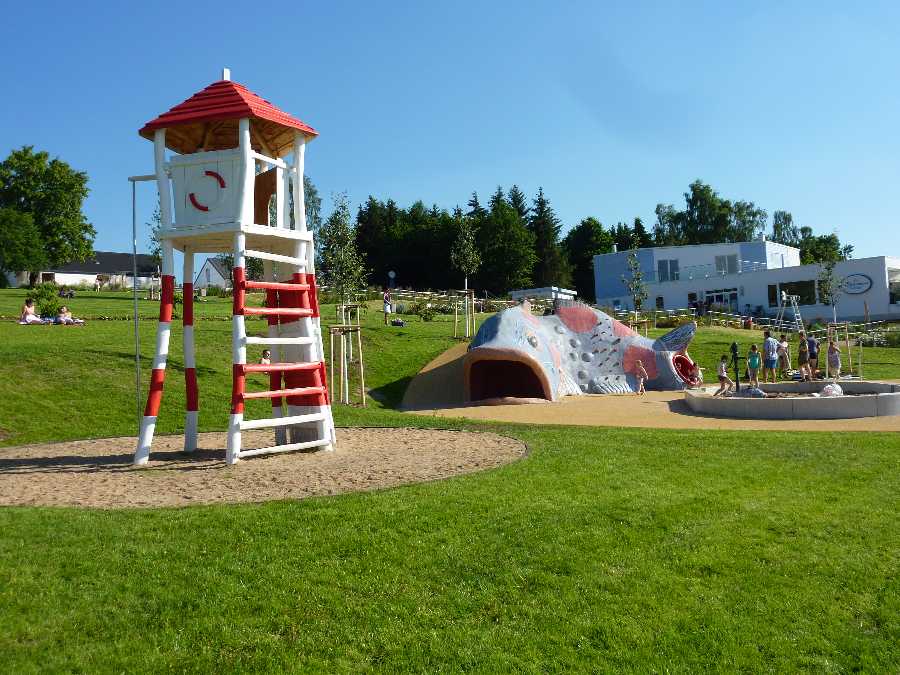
575	350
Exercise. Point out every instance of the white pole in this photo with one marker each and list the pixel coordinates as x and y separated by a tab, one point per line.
248	174
162	179
134	278
299	197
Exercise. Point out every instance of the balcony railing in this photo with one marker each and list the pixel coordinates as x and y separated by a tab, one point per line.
694	272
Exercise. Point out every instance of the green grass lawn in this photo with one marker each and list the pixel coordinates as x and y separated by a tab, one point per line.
603	550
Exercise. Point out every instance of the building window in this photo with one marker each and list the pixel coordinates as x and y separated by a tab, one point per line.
773	295
727	264
722	298
805	290
660	302
667	270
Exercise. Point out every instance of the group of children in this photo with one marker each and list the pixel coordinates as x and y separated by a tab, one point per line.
775	354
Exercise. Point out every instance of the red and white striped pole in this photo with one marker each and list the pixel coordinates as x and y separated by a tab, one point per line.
158	375
190	367
238	353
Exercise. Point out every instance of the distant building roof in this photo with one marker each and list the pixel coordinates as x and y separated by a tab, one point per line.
220	267
107	262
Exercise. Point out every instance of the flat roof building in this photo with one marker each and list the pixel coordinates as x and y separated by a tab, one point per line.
748	278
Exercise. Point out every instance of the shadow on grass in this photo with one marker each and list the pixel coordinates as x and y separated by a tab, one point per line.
171	460
390	395
171	363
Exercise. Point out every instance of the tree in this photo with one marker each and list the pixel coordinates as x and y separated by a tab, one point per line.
53	193
507	248
581	244
20	243
476	210
829	286
622	235
822	248
644	240
155	225
312	202
340	264
518	201
783	229
637	289
667	229
552	268
748	221
464	255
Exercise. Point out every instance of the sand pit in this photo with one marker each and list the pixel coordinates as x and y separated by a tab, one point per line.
438	390
99	474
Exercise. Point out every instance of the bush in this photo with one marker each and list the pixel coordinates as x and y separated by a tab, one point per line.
46	299
422	309
215	292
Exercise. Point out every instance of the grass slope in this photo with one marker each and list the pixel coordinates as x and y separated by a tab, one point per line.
605	549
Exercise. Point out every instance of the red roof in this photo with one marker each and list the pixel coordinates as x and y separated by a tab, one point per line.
208	121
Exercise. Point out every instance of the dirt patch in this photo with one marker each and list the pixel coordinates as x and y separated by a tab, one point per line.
98	473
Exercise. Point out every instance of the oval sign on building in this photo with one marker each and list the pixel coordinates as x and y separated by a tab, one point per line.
854	284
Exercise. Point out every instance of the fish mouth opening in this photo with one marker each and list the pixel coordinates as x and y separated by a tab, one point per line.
492	374
683	367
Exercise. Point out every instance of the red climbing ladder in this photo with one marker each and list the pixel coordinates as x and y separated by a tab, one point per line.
301	411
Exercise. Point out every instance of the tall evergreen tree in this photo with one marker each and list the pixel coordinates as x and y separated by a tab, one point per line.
507	250
519	202
476	210
623	236
581	244
552	267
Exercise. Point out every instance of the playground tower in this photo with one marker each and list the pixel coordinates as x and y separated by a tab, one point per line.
225	190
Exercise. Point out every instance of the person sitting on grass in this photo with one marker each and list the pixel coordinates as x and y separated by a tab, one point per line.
28	314
266	357
64	318
641	374
834	359
770	356
725	383
754	361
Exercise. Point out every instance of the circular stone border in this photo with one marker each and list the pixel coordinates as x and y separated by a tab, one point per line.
99	473
871	399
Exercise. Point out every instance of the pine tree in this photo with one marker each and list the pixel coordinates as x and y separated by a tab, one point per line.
552	268
644	240
581	244
476	210
507	249
518	201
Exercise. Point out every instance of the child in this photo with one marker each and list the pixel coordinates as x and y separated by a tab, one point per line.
725	382
754	360
641	374
834	359
28	314
784	355
388	303
803	358
266	357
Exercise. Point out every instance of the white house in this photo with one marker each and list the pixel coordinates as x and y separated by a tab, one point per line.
213	273
112	269
748	278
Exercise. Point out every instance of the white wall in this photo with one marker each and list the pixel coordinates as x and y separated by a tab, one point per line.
209	276
752	290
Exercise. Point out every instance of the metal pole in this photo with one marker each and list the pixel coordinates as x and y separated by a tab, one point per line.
134	278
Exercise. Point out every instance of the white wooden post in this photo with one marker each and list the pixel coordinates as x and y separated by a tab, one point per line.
190	365
247	176
299	197
238	354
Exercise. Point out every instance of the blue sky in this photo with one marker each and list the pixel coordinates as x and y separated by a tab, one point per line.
612	108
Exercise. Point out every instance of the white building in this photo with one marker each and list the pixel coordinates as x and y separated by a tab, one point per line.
113	269
213	273
543	293
747	278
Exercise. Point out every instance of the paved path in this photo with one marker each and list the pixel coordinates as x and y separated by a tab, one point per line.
438	390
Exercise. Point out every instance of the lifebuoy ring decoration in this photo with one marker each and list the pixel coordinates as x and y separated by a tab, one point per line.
193	198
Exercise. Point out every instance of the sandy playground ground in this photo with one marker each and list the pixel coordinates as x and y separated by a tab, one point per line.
438	390
98	473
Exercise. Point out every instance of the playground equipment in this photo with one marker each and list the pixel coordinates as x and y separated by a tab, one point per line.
229	165
796	325
573	351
